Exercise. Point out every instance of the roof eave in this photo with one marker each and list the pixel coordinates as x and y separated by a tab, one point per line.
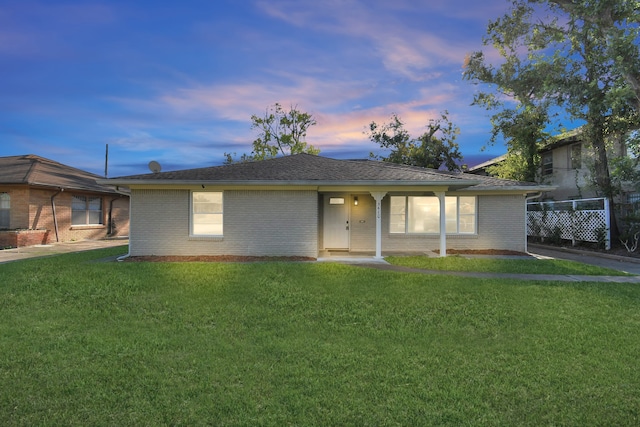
513	188
256	183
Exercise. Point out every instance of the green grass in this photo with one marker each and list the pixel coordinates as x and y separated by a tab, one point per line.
273	344
497	265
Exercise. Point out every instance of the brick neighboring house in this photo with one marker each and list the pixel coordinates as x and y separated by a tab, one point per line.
43	201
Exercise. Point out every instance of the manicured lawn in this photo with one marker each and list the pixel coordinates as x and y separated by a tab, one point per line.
88	343
497	265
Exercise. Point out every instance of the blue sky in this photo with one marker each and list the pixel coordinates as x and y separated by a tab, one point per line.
178	81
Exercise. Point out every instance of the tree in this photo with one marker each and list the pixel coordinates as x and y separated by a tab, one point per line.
280	132
520	105
433	149
572	61
618	22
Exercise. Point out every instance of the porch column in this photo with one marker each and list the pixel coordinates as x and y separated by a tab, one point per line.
443	224
378	196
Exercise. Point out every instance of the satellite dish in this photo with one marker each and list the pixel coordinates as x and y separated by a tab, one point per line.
154	166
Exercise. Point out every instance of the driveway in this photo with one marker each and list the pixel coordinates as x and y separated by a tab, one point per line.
8	255
626	264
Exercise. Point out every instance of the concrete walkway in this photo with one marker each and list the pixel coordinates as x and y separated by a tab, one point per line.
625	264
513	276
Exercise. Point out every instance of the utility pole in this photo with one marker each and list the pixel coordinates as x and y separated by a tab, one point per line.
106	161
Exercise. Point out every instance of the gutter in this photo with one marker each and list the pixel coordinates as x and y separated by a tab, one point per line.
110	216
351	183
128	254
53	209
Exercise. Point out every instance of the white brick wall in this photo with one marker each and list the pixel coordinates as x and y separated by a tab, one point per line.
273	223
286	223
500	221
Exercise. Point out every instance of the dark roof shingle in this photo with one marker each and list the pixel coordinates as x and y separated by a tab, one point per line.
39	171
306	168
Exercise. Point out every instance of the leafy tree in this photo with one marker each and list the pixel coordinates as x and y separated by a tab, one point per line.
571	59
618	22
433	149
280	132
521	109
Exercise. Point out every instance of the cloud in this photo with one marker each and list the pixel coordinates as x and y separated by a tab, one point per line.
408	50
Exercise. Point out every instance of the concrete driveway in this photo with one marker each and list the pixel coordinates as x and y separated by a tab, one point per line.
8	255
626	264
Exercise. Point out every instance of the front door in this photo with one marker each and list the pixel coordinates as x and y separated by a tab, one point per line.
336	221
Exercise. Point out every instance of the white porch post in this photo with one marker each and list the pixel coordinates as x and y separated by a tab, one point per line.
443	224
378	196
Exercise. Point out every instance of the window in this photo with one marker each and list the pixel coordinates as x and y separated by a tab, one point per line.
576	156
547	163
5	208
206	213
421	214
86	210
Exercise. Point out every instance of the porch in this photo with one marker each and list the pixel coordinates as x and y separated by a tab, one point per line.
351	223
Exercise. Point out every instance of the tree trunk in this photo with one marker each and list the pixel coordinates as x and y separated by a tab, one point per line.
595	135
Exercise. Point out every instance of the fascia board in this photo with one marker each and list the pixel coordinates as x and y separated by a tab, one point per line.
258	183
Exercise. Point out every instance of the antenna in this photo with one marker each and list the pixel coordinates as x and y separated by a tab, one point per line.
154	166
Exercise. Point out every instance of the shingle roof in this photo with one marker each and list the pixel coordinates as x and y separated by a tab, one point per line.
302	167
311	169
38	171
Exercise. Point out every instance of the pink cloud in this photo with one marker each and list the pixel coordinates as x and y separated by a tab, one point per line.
409	52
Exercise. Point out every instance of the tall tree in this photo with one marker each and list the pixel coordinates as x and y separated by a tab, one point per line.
280	132
433	149
574	65
619	23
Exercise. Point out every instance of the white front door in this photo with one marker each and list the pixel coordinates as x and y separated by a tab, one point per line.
336	221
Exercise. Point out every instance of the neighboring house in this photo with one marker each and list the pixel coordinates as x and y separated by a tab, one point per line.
43	201
481	169
566	165
302	205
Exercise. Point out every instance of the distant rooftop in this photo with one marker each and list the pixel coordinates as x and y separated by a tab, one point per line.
39	171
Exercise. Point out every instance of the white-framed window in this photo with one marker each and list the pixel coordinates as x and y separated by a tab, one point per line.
5	209
576	156
421	215
206	213
86	210
547	163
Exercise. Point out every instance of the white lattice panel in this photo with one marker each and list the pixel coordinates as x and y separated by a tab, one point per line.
584	225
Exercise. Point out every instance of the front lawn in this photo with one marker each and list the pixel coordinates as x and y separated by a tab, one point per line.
89	343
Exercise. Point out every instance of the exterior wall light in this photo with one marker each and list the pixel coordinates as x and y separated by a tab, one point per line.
355	201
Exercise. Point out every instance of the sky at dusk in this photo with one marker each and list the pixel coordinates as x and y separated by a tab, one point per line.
177	81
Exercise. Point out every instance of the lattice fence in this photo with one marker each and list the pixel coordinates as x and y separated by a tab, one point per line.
576	220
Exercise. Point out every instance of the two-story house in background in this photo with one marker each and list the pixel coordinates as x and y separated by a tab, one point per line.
567	164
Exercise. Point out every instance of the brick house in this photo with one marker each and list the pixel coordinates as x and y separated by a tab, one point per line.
43	201
304	205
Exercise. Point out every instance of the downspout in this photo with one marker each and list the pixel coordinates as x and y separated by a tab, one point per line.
110	216
53	209
128	254
526	219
